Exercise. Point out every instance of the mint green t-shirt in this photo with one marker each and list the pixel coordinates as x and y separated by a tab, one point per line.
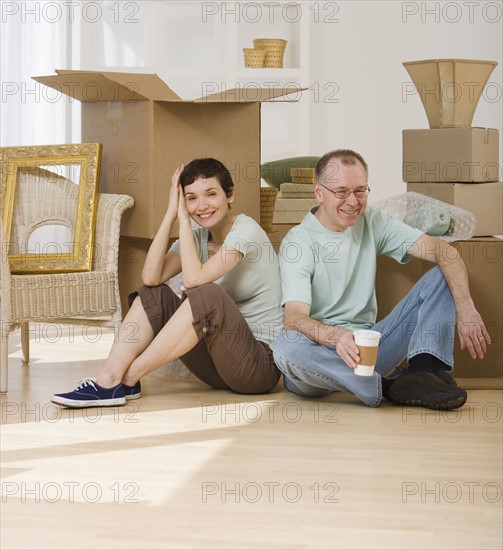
334	272
254	283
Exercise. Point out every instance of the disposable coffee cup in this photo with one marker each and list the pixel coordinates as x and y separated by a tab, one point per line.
368	344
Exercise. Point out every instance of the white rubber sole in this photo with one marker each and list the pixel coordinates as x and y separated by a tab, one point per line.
73	404
134	396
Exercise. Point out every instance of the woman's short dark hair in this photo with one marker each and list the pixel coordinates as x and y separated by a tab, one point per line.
207	168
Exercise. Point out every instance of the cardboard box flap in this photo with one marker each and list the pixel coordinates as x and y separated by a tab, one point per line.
149	86
432	75
453	60
109	86
250	95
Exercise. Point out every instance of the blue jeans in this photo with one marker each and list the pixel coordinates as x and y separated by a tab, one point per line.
423	322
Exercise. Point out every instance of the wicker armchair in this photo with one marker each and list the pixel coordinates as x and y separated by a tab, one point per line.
68	298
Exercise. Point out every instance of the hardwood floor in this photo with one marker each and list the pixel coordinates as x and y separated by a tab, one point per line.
190	467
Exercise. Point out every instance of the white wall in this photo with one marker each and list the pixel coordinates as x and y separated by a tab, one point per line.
32	44
360	93
363	54
355	68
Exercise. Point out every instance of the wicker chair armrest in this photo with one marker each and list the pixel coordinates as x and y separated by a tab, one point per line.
5	278
108	220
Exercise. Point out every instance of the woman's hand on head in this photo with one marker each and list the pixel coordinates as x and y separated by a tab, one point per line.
175	192
183	215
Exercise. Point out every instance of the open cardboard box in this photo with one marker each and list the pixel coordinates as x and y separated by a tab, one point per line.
450	89
147	130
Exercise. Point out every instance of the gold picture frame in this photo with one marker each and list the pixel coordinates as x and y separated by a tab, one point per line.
24	166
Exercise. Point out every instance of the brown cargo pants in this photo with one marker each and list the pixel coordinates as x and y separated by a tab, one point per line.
227	356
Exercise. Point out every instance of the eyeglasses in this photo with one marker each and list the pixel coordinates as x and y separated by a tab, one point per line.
346	193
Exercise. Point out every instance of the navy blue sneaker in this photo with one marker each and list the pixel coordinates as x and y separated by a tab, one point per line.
132	392
89	394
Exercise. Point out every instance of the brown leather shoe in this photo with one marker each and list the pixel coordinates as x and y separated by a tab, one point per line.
445	376
425	389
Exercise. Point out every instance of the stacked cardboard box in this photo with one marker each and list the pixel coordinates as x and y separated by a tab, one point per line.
483	257
296	191
292	210
296	197
458	164
451	161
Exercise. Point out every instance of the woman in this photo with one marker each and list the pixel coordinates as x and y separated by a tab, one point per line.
224	325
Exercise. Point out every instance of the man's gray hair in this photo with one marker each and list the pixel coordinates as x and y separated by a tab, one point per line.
347	158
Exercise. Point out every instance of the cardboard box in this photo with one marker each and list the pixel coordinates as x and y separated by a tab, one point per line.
132	255
484	262
485	200
278	233
296	191
292	210
303	175
450	89
451	155
289	205
147	130
288	217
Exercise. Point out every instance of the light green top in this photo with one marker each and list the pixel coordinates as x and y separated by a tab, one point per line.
254	284
334	272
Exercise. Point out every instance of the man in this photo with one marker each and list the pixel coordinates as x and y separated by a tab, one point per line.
328	266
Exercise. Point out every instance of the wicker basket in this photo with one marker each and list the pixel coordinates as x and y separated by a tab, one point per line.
275	50
267	203
254	58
